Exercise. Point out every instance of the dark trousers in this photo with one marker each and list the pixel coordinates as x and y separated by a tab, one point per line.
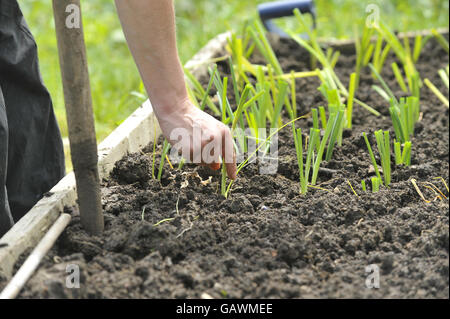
31	150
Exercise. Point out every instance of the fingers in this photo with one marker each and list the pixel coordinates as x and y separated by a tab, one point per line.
222	146
214	166
228	153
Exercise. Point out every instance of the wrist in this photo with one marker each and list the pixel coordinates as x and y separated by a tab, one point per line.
171	106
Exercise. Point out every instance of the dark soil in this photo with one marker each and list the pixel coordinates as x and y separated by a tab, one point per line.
266	240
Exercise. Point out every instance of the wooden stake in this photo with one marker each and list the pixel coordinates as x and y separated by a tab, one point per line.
80	118
29	266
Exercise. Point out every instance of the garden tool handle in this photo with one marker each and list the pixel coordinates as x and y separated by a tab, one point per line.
279	9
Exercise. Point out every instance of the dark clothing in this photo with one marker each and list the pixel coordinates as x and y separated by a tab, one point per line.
31	150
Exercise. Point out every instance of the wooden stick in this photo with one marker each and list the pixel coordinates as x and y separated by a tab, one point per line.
80	118
24	273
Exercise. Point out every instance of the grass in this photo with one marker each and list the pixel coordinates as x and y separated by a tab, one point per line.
116	86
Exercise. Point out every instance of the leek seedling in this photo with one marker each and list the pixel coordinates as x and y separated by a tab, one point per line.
372	157
262	43
315	118
323	117
200	92
398	153
419	43
407	58
402	157
384	149
299	151
376	182
403	52
364	49
311	160
404	115
380	55
331	127
351	94
236	46
336	133
385	92
304	168
165	150
404	112
363	185
406	155
399	77
315	50
440	39
436	92
443	73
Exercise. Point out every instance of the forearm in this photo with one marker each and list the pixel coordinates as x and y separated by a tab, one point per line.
149	27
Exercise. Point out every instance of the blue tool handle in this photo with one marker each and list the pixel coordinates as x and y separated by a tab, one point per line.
279	9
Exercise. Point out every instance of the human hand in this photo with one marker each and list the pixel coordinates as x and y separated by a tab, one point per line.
201	138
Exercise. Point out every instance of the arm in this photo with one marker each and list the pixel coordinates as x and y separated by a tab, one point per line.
149	28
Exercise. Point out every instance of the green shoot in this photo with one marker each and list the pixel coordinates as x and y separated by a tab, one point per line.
379	56
363	185
293	97
323	117
333	121
223	181
399	77
154	153
436	92
336	133
200	92
165	150
372	157
304	168
383	84
364	49
376	182
299	150
262	43
404	115
443	73
314	49
403	52
440	39
384	149
351	94
406	155
206	93
282	94
398	153
402	157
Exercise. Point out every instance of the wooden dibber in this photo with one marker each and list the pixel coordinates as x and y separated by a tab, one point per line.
80	118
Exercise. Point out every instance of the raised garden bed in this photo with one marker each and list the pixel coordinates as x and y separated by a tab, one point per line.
265	239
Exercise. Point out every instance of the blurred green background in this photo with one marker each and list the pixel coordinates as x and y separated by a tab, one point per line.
116	87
